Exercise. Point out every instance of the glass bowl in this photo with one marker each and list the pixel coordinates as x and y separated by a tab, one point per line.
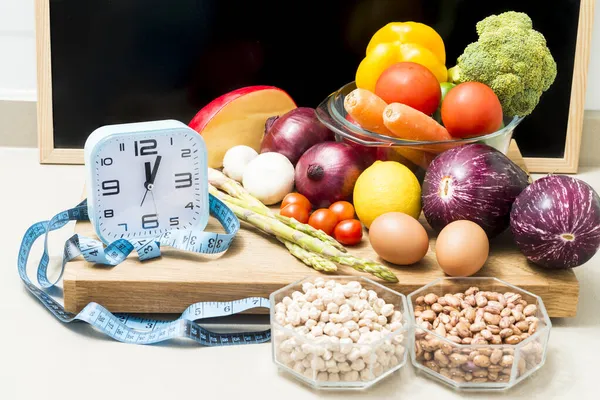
345	362
417	155
478	365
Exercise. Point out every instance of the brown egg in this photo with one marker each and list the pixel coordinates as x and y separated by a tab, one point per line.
462	248
398	238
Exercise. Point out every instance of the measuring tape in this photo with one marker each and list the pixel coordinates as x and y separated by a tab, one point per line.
130	329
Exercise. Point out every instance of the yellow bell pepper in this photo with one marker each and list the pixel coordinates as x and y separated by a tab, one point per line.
410	32
371	67
422	55
401	42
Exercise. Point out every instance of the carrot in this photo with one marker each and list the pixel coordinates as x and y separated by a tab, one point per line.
407	123
366	108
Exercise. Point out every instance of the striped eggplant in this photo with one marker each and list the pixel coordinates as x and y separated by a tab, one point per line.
474	182
556	222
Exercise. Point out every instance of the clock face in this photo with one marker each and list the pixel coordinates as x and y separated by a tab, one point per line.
148	184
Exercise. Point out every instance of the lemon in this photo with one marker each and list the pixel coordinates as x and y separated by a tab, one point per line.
386	186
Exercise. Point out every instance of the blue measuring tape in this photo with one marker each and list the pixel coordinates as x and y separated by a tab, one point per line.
131	329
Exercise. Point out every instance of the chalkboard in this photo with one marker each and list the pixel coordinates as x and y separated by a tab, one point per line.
135	60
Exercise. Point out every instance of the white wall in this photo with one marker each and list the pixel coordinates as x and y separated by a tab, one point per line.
17	50
17	54
592	99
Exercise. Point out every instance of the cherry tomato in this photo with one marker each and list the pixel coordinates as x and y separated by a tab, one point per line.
411	84
471	109
296	198
343	210
323	219
348	232
296	211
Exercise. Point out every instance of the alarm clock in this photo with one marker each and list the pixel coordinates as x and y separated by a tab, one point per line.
146	179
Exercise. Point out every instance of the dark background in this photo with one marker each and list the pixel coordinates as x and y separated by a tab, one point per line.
135	60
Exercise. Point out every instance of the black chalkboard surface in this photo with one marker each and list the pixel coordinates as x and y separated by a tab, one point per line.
133	60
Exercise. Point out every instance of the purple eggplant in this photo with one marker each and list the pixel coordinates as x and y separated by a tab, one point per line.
473	182
556	222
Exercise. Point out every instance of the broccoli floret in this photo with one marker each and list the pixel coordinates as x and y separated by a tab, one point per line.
510	57
516	20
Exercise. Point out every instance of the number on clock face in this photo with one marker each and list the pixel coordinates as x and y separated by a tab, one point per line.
147	147
147	185
183	180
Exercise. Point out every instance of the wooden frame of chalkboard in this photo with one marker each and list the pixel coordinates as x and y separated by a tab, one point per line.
49	154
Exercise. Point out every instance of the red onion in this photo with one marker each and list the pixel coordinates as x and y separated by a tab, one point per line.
474	182
367	154
556	222
269	122
294	132
327	173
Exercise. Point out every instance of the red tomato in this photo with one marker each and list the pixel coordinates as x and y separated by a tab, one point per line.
343	210
348	232
296	211
411	84
296	198
323	219
471	109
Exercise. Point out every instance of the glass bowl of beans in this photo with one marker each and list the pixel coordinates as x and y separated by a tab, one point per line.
342	332
478	333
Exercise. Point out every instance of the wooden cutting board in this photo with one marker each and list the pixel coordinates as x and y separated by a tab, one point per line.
257	265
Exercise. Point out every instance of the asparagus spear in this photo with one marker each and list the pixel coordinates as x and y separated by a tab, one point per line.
311	259
309	230
239	202
238	195
311	244
364	265
226	184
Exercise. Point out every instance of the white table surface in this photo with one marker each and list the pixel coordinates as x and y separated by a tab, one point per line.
43	358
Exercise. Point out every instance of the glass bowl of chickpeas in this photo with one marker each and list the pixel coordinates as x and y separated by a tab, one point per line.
339	332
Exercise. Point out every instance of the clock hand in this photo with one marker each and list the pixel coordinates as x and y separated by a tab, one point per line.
154	170
150	177
148	169
154	202
144	198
